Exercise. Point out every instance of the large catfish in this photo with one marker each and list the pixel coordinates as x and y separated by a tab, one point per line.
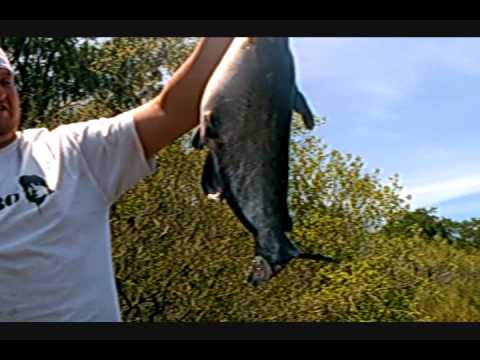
245	123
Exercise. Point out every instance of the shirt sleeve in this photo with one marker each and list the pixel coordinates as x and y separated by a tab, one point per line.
112	152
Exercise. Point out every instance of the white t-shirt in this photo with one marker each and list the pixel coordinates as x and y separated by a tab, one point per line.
56	189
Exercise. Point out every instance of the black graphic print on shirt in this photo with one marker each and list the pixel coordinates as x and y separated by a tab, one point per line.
8	200
35	189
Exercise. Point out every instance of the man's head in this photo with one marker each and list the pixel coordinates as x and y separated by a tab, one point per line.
9	102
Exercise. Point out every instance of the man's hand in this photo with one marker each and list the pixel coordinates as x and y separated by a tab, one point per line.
176	110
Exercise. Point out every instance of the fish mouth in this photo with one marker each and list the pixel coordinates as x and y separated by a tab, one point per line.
3	107
261	271
264	267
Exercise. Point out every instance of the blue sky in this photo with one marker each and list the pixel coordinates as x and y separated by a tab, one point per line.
405	105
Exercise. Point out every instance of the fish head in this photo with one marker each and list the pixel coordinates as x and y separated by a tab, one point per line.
261	271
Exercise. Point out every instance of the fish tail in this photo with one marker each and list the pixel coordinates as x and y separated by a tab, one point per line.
317	257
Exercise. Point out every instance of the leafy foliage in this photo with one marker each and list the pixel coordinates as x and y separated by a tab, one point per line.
180	257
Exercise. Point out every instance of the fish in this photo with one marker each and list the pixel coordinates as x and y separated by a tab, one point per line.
245	123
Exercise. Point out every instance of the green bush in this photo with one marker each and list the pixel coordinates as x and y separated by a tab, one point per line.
179	257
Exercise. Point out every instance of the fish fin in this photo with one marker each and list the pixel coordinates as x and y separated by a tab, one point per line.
197	141
212	183
318	257
300	105
208	123
211	130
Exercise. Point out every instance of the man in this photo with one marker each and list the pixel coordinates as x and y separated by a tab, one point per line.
56	188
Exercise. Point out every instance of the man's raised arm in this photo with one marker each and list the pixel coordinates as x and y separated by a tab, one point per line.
175	110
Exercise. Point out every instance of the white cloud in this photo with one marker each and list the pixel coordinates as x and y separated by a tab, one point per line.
383	89
386	100
390	69
366	71
462	208
429	194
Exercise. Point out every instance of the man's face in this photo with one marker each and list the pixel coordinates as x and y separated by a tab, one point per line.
9	106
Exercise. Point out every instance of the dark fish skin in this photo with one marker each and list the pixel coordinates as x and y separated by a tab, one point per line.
245	123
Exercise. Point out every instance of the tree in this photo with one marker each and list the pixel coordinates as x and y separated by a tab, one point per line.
75	79
51	74
335	199
425	223
180	257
